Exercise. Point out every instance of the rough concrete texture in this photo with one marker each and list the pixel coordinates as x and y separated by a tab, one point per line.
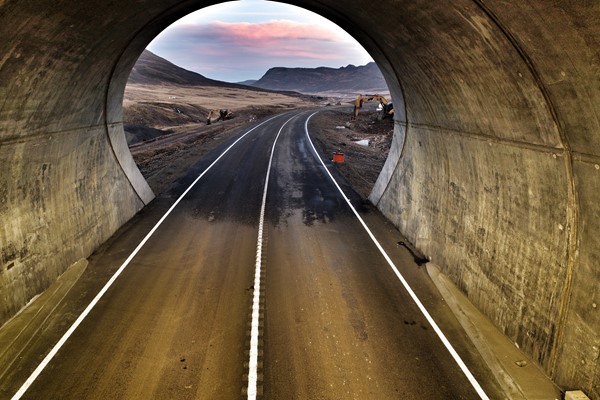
497	177
494	171
63	188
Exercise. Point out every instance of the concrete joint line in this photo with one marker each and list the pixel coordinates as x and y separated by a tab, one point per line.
44	135
585	158
483	137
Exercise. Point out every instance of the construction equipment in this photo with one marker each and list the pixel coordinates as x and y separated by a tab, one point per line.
387	109
220	115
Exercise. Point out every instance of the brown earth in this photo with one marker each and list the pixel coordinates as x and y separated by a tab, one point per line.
334	132
166	125
152	110
166	128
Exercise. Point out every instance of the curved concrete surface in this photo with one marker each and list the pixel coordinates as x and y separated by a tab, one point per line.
494	173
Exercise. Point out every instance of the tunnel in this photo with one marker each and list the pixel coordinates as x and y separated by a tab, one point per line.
494	170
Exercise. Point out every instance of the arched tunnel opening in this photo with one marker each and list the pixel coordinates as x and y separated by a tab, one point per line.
171	114
493	172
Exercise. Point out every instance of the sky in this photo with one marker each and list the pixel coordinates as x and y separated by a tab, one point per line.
241	40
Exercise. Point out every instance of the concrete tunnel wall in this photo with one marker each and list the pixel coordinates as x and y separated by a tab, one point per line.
494	170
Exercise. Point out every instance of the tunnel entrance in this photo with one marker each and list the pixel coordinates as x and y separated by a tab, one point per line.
493	171
171	114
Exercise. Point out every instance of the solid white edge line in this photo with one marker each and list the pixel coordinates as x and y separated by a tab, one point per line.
253	361
34	375
412	294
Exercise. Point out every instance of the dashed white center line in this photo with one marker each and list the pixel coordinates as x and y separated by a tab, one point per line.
254	333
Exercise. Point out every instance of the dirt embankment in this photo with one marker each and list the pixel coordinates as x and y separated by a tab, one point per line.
167	157
364	142
166	128
167	131
153	110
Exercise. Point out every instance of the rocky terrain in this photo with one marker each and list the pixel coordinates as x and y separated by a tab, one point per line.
350	79
155	70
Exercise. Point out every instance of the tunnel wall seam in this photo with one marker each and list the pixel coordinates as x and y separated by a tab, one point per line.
585	158
488	138
48	135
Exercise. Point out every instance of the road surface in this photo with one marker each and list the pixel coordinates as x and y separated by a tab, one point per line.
332	320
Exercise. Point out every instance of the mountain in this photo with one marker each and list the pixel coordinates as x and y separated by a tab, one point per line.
323	79
249	82
178	97
152	69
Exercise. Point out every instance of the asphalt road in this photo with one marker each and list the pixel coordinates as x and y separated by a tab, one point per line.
335	322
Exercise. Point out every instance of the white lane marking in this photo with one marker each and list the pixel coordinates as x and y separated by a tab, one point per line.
253	362
412	294
89	308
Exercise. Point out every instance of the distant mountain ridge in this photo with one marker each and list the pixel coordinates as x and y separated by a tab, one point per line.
323	79
249	82
152	69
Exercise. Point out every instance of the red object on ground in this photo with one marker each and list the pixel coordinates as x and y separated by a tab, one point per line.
338	157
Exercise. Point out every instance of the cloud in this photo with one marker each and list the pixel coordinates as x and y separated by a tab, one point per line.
217	49
263	35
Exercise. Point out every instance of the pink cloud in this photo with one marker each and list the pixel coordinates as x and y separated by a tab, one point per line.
247	32
256	34
252	48
280	38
